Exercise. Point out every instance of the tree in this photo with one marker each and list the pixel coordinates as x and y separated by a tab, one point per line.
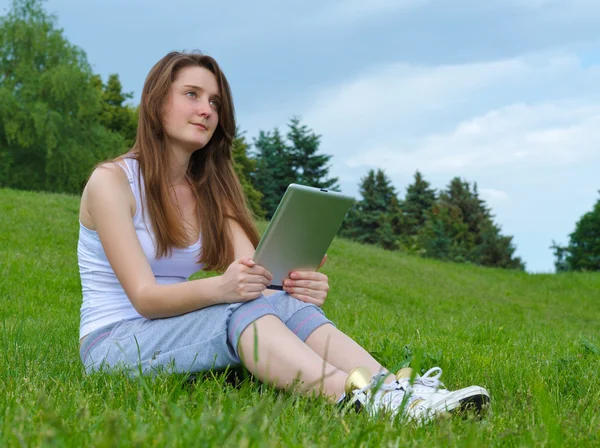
115	115
583	250
374	219
311	168
445	235
274	169
560	253
460	228
419	199
244	167
50	137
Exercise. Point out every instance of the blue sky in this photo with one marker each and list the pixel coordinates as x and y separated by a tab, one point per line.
501	92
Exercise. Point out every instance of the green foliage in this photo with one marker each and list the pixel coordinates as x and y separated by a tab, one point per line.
560	255
280	162
311	168
274	169
375	219
531	340
50	137
115	115
419	200
460	228
456	226
445	235
583	251
244	167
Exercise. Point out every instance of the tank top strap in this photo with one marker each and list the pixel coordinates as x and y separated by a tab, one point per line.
126	166
132	170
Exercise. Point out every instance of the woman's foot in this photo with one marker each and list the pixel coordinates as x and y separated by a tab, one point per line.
420	400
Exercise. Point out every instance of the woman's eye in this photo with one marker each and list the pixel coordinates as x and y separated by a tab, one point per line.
215	103
191	94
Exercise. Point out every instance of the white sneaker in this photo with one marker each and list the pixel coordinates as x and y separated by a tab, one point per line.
429	398
375	396
421	401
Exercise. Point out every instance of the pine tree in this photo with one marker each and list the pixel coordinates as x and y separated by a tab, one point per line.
419	200
360	224
373	219
115	114
497	250
311	168
274	169
244	167
583	250
560	253
444	235
460	228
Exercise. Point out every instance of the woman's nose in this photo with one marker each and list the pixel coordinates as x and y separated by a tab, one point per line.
203	108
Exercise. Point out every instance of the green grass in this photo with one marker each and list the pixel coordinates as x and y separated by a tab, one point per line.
532	340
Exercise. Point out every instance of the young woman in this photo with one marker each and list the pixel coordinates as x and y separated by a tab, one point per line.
173	206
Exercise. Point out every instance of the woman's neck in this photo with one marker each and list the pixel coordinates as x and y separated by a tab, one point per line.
179	161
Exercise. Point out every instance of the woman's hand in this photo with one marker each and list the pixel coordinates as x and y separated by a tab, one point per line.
308	286
244	280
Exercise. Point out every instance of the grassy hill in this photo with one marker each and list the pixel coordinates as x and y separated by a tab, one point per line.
532	340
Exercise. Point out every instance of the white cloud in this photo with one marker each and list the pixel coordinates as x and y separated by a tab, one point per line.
538	109
520	134
390	105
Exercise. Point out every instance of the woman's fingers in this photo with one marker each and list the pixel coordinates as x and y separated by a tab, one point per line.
322	261
255	287
254	269
316	293
307	284
248	262
258	279
308	275
319	300
259	270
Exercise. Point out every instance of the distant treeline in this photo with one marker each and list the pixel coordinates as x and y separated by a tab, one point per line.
58	119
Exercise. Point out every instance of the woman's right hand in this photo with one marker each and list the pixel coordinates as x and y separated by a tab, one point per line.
244	280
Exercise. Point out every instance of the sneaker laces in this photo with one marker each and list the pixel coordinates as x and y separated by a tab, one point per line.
377	384
431	381
387	395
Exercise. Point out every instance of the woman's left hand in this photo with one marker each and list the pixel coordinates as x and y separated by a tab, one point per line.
308	286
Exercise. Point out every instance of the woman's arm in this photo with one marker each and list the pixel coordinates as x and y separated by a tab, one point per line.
107	203
243	248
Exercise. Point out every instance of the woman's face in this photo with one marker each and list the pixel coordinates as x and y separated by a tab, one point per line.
192	109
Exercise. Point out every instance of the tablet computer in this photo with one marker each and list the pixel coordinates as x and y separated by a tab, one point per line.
301	230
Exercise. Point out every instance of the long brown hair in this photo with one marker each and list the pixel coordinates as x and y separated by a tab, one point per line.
210	172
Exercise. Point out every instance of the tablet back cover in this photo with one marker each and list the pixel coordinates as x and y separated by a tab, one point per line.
301	230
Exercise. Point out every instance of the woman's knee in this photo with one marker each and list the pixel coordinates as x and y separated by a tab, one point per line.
245	315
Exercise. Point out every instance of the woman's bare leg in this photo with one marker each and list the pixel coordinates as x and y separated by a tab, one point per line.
341	351
275	355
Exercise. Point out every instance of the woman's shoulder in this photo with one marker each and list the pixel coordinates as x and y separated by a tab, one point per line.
114	171
108	184
108	179
108	174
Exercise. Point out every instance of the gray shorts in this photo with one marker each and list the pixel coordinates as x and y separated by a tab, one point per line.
202	340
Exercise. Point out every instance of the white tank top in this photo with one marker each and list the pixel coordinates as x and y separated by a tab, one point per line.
104	300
